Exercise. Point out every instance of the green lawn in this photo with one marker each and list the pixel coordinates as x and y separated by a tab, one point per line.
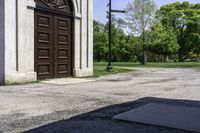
100	67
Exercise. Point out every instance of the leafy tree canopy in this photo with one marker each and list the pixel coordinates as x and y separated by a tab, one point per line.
185	19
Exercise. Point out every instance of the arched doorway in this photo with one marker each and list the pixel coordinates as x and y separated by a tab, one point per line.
53	38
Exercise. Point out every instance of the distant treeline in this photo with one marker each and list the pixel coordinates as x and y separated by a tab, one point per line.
173	35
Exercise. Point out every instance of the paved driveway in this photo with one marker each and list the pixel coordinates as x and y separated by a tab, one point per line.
89	107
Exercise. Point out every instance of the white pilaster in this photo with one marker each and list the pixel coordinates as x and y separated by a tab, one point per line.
85	67
19	48
10	36
90	35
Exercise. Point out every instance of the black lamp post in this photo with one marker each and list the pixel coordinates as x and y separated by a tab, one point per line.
109	67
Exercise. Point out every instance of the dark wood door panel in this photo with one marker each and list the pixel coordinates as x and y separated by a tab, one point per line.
63	47
44	45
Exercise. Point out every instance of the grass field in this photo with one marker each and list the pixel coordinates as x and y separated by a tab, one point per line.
100	70
100	67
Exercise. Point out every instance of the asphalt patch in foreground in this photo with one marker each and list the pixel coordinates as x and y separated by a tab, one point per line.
180	117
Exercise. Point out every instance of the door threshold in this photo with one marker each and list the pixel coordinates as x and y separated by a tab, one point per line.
67	81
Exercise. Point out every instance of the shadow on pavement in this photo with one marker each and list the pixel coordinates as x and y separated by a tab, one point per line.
100	121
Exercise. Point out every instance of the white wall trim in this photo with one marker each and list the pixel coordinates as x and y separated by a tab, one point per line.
30	4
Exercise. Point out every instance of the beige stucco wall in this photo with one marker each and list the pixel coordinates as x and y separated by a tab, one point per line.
19	40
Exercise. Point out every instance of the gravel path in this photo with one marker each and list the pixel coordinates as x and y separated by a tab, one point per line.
89	107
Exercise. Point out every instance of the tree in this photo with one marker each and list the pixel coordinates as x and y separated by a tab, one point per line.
163	40
121	50
100	42
185	19
124	47
139	16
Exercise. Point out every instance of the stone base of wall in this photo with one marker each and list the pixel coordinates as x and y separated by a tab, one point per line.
82	73
25	77
20	77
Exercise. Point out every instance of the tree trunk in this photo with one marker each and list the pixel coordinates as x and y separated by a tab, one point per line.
180	56
165	58
180	41
158	58
144	55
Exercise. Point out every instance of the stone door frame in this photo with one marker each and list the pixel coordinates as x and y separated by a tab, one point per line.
54	11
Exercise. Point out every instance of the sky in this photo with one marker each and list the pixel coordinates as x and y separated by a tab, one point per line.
100	6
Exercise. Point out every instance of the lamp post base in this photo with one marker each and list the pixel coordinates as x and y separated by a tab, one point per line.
109	68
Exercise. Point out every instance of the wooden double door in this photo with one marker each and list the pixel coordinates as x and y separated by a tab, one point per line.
53	45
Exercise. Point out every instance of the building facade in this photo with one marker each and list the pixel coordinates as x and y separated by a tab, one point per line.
44	39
